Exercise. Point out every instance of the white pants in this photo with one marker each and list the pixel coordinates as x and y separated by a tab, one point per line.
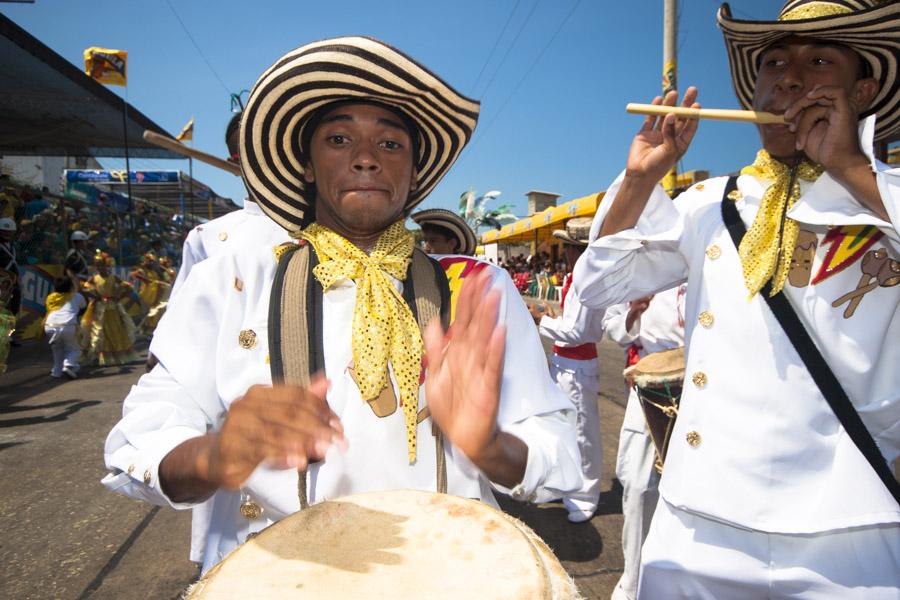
636	472
689	556
582	385
64	346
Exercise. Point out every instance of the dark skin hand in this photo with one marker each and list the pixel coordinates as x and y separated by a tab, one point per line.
463	383
635	309
284	426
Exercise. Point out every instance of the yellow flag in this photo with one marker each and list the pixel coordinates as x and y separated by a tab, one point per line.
187	132
106	66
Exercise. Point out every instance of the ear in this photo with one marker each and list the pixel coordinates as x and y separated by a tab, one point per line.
309	173
864	91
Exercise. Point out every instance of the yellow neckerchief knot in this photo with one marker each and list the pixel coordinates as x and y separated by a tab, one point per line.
383	325
766	250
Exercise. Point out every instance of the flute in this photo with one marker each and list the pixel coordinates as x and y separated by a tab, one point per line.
721	114
176	146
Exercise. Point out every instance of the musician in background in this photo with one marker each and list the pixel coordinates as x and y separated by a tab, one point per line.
574	367
643	326
445	232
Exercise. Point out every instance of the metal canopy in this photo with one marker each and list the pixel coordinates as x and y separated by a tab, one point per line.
49	107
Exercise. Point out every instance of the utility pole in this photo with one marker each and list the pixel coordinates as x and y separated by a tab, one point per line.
670	68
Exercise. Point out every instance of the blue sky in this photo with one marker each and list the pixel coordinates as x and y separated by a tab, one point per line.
552	107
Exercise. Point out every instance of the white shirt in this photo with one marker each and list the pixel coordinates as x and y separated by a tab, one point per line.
203	370
239	230
575	326
67	314
772	456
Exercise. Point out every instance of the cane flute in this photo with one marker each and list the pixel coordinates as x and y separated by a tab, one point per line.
720	114
176	146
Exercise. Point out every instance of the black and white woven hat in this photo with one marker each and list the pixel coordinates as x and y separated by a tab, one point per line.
451	221
341	70
869	27
576	233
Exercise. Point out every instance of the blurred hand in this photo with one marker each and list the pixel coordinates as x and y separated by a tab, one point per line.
662	141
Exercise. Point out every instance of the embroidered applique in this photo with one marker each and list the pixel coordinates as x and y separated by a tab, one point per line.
847	244
383	405
877	265
802	260
457	269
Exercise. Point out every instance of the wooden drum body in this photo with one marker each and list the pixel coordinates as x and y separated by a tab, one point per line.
657	379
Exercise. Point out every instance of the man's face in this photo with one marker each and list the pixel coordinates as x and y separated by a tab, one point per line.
572	254
7	236
790	69
437	243
361	162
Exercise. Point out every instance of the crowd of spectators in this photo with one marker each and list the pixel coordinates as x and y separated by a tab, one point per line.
45	223
528	272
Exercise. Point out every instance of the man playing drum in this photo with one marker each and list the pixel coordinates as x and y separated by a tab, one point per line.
765	493
340	139
644	326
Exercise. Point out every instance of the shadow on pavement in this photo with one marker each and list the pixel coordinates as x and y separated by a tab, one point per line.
73	407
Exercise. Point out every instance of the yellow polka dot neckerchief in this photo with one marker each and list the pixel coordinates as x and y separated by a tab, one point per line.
767	247
383	325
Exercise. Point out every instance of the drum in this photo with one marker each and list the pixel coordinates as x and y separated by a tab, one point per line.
399	544
657	378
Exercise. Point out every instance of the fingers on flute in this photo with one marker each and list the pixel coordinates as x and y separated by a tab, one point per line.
650	121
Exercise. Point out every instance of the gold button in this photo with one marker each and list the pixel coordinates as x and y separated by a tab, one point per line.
238	284
713	251
247	339
699	187
147	476
223	236
693	438
706	319
251	510
699	379
735	195
130	469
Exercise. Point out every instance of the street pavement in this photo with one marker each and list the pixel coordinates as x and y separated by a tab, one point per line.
65	536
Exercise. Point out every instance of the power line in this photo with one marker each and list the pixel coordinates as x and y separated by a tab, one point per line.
511	46
496	43
530	68
199	51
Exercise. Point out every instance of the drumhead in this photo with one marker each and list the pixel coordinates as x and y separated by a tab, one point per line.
658	368
398	544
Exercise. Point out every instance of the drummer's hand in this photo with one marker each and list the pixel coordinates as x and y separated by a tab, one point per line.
635	309
662	141
462	384
284	426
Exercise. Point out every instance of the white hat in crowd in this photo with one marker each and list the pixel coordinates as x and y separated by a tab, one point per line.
78	236
7	224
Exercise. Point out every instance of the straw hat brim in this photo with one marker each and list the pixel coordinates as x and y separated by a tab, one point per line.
451	221
563	235
341	70
874	33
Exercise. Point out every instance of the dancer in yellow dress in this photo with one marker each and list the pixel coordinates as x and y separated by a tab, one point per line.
109	328
155	288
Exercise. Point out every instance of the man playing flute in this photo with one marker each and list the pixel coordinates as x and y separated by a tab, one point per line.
764	493
340	139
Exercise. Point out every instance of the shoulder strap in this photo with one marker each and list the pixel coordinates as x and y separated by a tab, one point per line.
815	363
427	290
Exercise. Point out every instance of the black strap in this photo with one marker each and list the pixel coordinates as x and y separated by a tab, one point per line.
815	363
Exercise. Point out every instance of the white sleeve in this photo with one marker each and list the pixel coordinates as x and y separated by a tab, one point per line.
191	253
634	262
177	400
616	316
531	406
577	325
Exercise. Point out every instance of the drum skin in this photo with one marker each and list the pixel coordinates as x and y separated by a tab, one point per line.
398	544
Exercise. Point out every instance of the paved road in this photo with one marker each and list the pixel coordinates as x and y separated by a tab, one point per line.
65	536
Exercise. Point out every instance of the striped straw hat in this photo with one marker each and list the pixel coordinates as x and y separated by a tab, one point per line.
577	231
451	221
869	27
341	70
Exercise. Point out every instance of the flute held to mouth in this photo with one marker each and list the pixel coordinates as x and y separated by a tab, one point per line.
720	114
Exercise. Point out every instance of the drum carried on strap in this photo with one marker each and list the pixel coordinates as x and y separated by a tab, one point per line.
658	378
399	544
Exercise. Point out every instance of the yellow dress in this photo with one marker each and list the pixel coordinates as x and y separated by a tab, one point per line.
110	329
154	294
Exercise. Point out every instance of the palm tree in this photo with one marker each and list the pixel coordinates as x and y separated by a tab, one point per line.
474	210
